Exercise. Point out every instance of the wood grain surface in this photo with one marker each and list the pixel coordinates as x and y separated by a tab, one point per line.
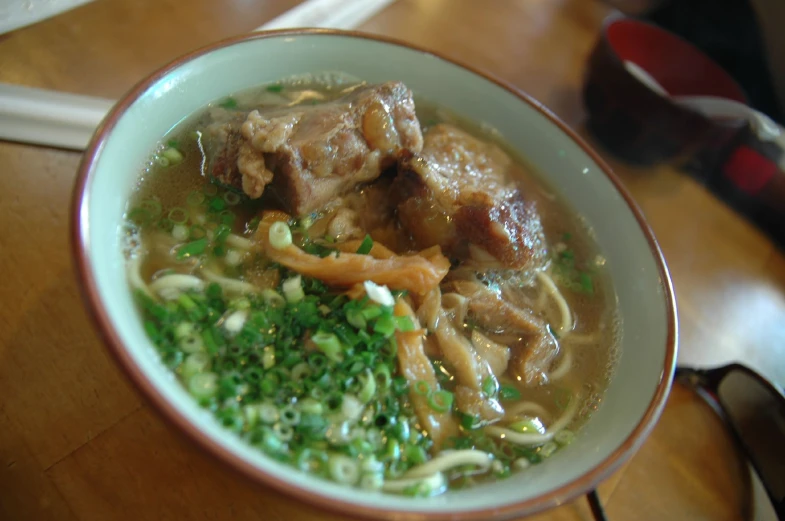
78	443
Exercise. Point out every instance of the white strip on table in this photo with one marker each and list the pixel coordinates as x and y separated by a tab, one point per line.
15	14
58	119
45	117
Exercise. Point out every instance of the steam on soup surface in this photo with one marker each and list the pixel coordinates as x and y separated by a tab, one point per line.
385	298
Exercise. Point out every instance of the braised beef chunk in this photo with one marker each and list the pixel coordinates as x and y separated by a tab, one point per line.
309	154
458	193
535	348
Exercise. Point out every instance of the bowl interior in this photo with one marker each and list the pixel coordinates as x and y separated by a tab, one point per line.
116	159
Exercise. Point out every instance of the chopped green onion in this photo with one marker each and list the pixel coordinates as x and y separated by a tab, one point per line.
191	343
368	389
329	344
310	406
221	232
227	217
152	206
528	426
274	88
366	246
400	430
272	298
318	362
422	388
415	454
563	398
440	401
178	215
195	198
490	386
214	290
280	235
356	319
405	323
203	385
210	341
216	204
334	401
385	326
139	216
548	449
173	155
253	224
268	357
392	451
400	386
300	371
197	231
234	257
290	416
371	312
372	481
283	432
564	437
509	392
359	445
383	378
192	248
231	198
165	224
586	284
343	469
469	422
293	289
305	222
379	294
254	374
267	412
180	232
183	329
228	103
194	364
374	437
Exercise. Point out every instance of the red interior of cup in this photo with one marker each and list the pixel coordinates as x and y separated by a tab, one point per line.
677	65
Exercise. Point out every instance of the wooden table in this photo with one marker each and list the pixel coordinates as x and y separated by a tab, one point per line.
76	442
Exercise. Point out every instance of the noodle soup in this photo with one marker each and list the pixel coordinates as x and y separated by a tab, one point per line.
352	340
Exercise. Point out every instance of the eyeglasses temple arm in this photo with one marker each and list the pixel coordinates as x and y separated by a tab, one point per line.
596	506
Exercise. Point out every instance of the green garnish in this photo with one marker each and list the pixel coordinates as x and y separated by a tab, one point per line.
286	367
366	246
228	103
490	386
192	248
508	392
570	273
440	401
274	88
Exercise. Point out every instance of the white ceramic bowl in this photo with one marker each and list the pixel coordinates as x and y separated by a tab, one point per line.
115	158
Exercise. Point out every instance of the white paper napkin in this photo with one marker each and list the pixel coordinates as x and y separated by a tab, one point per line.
19	13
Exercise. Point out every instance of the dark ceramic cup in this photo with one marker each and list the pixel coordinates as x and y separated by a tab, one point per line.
634	121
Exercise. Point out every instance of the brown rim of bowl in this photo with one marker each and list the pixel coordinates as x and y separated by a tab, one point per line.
572	490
